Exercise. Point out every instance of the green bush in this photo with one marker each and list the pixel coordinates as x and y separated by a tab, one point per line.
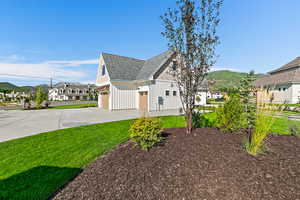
261	131
146	132
204	120
230	116
294	128
39	98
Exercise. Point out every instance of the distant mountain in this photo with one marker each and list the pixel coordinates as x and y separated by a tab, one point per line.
10	86
62	83
226	79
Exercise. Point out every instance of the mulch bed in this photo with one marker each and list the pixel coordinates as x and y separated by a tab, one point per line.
204	165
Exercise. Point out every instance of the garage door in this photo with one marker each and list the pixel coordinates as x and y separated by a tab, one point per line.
143	101
104	100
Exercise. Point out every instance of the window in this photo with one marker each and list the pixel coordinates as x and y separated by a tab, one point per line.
174	66
174	93
279	89
103	70
167	93
284	89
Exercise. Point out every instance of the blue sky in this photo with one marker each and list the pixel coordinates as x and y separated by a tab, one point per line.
64	38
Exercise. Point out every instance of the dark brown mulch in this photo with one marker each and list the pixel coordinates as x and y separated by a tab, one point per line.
207	165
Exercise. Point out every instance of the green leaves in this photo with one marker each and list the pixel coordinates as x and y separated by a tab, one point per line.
230	116
146	132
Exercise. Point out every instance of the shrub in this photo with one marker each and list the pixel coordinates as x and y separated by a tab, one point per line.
204	120
230	116
145	132
39	98
294	128
198	99
221	99
261	131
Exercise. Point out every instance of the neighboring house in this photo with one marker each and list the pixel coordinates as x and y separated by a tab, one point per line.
214	94
14	95
69	91
282	85
129	83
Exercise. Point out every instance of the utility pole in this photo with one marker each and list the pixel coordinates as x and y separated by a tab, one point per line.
50	82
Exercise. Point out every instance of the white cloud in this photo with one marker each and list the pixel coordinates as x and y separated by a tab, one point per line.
88	82
59	69
11	58
215	68
73	63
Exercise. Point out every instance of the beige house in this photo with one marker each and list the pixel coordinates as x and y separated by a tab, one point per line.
129	83
281	85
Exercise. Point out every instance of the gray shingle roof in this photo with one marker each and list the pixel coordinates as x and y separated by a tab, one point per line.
153	64
125	68
289	73
294	63
122	68
290	76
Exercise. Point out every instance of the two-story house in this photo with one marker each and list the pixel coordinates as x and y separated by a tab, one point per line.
68	91
282	85
129	83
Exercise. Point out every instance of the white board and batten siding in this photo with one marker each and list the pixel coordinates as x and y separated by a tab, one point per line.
123	97
159	90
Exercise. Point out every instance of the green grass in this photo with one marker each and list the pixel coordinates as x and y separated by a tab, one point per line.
287	113
75	106
280	124
292	105
34	167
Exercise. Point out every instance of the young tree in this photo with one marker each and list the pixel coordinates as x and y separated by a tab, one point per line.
246	92
39	98
191	33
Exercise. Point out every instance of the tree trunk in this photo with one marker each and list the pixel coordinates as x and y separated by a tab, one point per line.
189	121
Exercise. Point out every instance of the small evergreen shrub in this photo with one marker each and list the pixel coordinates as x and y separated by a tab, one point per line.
39	98
204	120
294	129
146	132
230	116
261	131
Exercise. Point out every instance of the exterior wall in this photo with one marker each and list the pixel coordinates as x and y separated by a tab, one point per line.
159	90
102	80
123	96
296	93
165	75
99	101
214	95
281	94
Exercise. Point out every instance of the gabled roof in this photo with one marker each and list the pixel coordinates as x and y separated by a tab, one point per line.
152	65
122	68
292	76
294	63
125	68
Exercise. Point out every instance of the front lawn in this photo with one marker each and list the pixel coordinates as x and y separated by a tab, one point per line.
75	106
280	124
35	167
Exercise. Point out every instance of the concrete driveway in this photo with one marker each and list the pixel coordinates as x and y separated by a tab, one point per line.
17	123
